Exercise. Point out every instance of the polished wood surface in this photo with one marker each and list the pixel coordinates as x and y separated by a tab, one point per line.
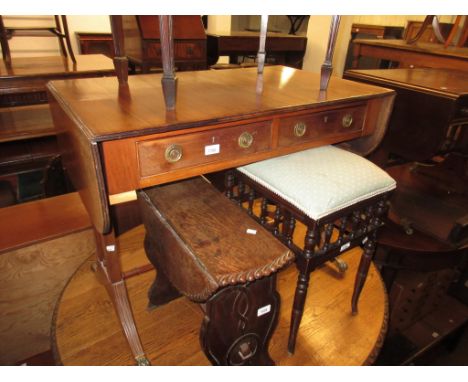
33	222
329	335
25	122
428	35
287	49
81	159
444	82
56	66
411	55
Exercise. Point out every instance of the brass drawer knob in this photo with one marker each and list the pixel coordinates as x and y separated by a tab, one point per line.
347	120
173	153
245	140
299	129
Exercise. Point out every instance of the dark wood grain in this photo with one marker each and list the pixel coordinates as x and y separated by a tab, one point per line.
81	160
200	261
143	42
287	49
447	82
230	94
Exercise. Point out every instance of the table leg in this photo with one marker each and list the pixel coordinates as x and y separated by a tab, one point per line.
109	265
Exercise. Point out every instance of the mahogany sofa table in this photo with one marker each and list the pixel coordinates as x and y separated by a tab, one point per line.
118	139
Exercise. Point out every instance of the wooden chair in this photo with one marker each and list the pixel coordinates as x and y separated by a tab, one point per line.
49	31
341	197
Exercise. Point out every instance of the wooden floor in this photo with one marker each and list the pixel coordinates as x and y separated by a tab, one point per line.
87	331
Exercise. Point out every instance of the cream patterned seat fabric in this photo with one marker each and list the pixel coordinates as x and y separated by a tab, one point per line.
322	180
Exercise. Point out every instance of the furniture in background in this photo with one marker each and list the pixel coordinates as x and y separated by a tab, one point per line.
95	43
143	45
438	32
418	55
282	49
27	135
60	30
430	113
424	246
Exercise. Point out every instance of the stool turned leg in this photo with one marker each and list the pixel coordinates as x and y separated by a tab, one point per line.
364	264
304	265
298	309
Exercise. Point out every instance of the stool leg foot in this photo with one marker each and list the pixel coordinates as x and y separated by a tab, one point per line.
298	309
362	272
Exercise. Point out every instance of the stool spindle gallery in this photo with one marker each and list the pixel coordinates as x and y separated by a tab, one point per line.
339	196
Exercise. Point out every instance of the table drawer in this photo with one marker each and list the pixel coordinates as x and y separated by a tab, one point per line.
169	154
312	126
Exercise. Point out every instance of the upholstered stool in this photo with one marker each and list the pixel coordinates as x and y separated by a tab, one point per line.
339	196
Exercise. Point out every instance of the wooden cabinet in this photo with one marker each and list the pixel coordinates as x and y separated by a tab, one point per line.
143	48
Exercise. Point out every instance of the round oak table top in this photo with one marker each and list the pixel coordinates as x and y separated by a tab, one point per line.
86	330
